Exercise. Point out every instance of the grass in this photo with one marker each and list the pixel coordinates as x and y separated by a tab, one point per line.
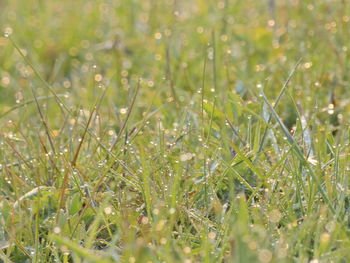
174	131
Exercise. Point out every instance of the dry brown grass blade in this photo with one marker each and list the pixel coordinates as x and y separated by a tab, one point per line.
127	116
47	130
74	161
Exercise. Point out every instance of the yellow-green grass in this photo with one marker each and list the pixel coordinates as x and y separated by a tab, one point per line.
174	131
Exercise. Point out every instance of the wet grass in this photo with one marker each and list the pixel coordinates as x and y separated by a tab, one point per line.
174	131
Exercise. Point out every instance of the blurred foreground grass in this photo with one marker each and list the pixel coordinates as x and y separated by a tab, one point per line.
174	131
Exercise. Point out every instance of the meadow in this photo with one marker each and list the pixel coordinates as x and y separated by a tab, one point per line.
174	131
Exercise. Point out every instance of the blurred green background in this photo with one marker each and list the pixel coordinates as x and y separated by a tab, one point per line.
255	41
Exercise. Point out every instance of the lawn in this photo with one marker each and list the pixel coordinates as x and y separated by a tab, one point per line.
174	131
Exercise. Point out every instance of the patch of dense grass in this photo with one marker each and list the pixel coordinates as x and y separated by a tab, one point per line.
174	131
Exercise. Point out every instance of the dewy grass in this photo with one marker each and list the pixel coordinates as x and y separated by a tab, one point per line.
174	131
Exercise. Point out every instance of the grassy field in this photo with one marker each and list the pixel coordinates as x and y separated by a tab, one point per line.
174	131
